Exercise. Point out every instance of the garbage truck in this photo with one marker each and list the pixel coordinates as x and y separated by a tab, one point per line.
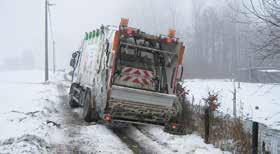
122	74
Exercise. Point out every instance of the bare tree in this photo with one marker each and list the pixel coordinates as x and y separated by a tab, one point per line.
216	42
268	14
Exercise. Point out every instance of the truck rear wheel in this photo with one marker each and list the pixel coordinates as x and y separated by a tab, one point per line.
72	102
178	124
89	108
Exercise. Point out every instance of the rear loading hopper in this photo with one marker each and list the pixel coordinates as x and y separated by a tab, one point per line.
135	105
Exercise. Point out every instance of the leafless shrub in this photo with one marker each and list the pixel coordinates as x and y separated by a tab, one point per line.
229	134
226	132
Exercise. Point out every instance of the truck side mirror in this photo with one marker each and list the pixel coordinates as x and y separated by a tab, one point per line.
172	77
75	54
72	62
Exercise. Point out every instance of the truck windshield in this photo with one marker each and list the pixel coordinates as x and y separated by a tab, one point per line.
137	68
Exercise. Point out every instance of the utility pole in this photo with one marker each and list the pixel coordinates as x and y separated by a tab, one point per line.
46	42
234	99
250	68
54	67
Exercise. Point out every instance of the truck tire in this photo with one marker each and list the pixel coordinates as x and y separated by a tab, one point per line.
89	113
184	113
180	120
72	102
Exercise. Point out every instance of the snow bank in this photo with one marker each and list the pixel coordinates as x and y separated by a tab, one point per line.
22	100
180	144
27	104
257	101
22	109
25	144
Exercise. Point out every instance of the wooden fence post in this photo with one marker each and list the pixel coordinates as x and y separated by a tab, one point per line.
206	124
255	133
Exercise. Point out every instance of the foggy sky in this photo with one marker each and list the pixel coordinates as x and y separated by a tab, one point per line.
22	23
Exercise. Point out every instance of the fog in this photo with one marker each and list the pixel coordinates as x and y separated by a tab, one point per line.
218	44
22	24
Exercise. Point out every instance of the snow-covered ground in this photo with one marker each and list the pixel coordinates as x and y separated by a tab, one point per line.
28	109
258	101
20	92
163	142
35	118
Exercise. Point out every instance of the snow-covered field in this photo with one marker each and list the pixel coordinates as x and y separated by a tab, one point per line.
28	109
35	118
260	102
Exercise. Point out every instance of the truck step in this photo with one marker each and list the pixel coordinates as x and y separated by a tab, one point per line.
75	99
78	90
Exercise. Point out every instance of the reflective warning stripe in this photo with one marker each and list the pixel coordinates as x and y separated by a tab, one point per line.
137	76
137	80
138	72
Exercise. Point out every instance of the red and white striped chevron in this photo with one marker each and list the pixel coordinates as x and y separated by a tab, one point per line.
138	76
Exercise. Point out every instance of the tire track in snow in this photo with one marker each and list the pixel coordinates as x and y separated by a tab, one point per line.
132	144
119	130
135	139
146	144
153	138
72	124
82	137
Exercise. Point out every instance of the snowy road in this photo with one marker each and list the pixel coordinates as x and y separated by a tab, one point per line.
134	139
137	138
74	125
35	118
82	137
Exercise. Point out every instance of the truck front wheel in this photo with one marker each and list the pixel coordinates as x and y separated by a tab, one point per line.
89	108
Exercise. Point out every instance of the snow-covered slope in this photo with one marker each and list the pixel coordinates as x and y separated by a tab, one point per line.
20	93
259	101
